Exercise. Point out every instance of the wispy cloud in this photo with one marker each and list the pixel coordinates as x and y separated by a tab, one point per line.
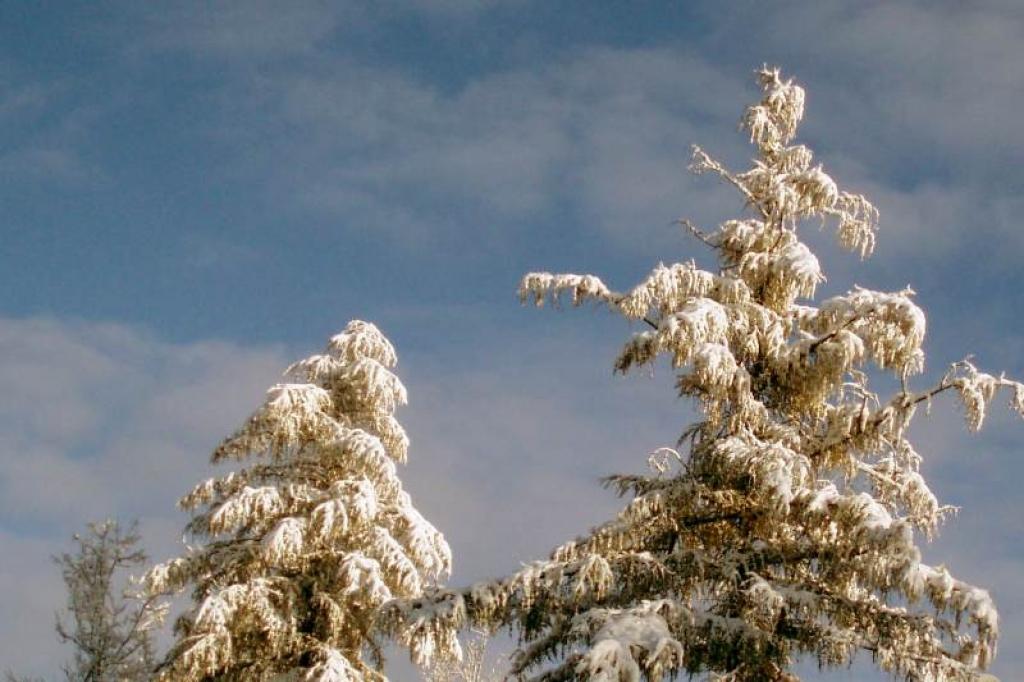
230	30
44	133
918	90
263	29
603	135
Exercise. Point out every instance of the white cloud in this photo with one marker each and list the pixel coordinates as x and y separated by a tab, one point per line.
507	458
604	134
938	79
251	29
99	421
236	30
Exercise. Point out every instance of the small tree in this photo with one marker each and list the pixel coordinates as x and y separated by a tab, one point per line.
471	666
107	622
110	624
788	523
302	546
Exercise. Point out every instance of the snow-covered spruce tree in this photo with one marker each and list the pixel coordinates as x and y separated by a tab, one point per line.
301	547
786	524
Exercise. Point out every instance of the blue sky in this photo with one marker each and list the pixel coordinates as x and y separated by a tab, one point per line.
197	193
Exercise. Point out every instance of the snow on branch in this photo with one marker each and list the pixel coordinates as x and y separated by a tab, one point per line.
290	415
624	645
427	625
362	340
538	287
978	389
890	325
773	121
669	287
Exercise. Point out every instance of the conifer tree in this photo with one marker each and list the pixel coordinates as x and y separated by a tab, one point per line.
303	545
786	521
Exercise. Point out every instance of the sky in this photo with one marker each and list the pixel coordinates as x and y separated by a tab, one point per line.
195	194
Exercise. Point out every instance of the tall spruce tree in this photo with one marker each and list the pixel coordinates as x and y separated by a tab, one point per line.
303	545
786	521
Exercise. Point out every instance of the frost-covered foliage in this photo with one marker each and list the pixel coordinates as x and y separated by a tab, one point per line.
300	548
109	624
472	666
786	523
